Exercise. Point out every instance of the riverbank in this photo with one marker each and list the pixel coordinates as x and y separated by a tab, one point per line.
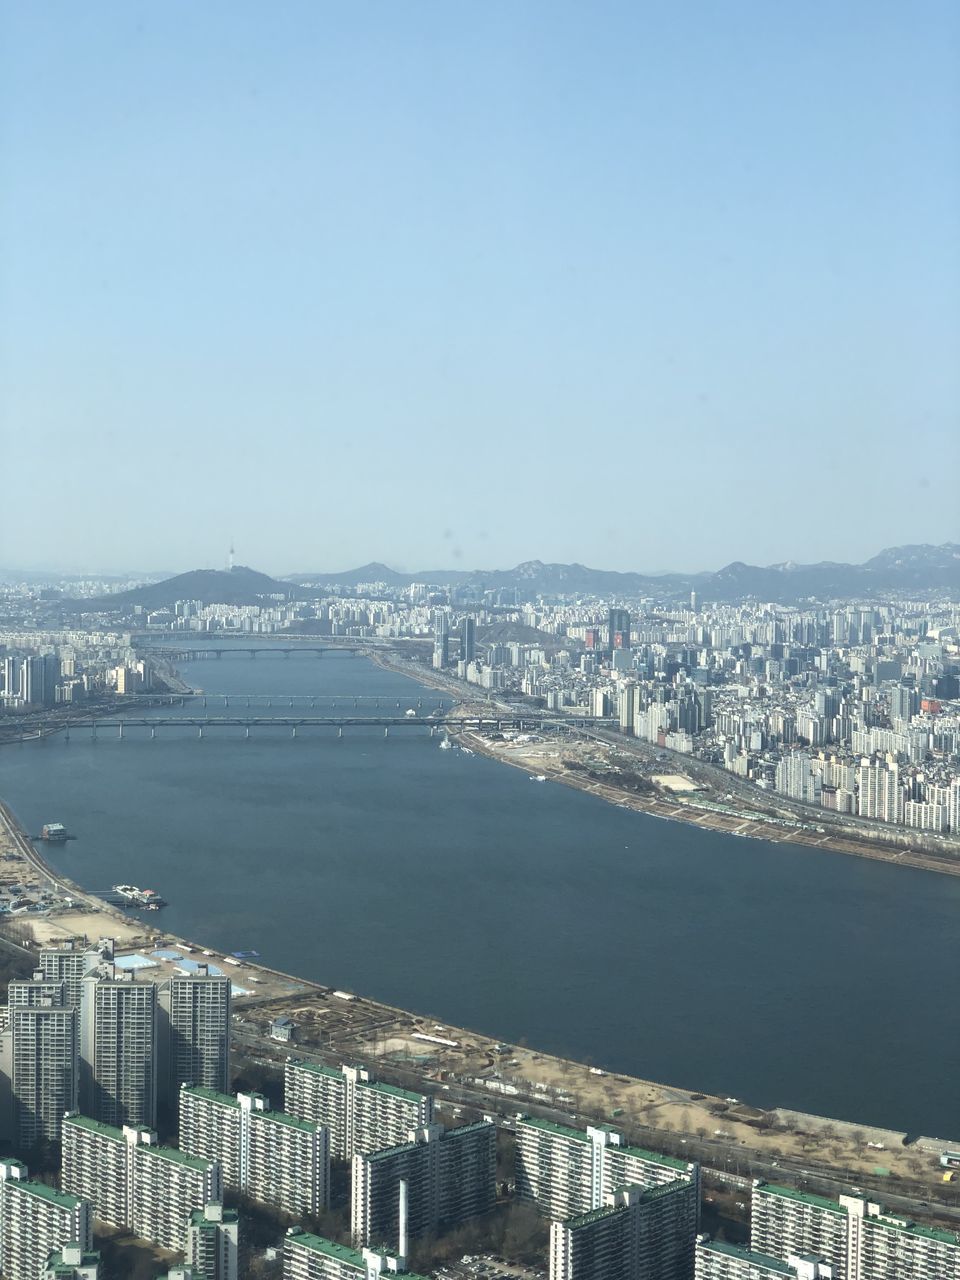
567	767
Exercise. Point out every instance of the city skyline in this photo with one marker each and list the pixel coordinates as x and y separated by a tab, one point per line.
446	283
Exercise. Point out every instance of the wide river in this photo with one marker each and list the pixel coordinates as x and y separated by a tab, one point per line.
452	885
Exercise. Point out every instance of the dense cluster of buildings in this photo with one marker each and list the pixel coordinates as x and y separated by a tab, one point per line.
41	670
86	1052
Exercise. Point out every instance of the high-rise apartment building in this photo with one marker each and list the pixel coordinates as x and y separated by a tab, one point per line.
310	1257
567	1172
118	1051
41	1058
854	1235
449	1177
441	636
273	1157
716	1260
134	1182
194	1033
785	1222
361	1114
36	1221
70	964
211	1242
636	1235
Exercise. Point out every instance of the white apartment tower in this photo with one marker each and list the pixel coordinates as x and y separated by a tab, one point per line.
361	1114
133	1182
448	1176
853	1235
36	1221
273	1157
194	1033
567	1172
43	1060
636	1235
118	1051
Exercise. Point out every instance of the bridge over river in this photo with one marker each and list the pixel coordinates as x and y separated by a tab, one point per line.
121	726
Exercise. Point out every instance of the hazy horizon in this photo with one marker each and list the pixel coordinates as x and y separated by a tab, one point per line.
642	289
283	572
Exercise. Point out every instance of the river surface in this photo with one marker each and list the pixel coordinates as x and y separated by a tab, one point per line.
452	885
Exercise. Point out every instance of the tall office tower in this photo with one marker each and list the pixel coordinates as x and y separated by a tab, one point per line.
194	1034
567	1172
51	678
96	1164
70	965
361	1114
72	1262
35	1221
694	602
273	1157
43	1060
637	1234
618	628
441	634
904	702
468	639
211	1242
717	1261
449	1177
118	1051
135	1183
310	1257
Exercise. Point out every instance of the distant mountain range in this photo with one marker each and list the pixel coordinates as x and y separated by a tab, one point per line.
920	567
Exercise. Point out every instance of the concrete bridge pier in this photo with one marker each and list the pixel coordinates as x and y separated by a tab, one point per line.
386	731
246	731
153	731
293	732
204	702
340	732
120	730
200	731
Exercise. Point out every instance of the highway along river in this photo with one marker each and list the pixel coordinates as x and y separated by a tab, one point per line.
449	884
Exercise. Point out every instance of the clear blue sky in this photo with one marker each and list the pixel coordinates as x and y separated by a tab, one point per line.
641	285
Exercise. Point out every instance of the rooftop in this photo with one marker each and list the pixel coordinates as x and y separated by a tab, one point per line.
804	1197
43	1192
211	1095
340	1252
177	1157
774	1265
561	1130
95	1126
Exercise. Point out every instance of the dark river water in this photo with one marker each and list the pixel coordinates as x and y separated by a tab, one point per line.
452	885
